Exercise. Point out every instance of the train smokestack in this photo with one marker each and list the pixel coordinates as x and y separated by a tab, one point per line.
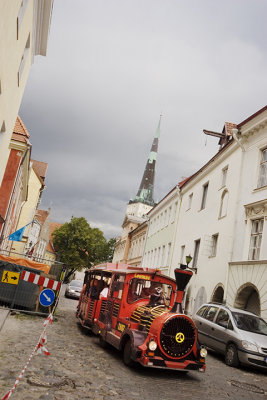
182	277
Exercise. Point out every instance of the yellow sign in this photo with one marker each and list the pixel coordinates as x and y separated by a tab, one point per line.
10	277
140	276
179	337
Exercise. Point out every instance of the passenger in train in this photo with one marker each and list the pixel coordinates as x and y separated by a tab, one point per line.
93	291
104	291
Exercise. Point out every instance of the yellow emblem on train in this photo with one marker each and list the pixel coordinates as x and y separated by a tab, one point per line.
179	337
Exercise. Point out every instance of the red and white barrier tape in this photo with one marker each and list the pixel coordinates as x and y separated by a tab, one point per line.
39	349
40	280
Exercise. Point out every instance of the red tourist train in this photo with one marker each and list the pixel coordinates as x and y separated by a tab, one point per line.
139	311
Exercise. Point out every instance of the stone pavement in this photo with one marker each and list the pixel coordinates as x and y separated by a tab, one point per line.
78	368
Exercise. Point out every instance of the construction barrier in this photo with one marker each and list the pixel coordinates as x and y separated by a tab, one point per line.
23	281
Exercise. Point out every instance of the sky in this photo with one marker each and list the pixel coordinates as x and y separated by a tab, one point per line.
92	105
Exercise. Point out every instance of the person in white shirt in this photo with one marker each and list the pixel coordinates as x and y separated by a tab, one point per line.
104	292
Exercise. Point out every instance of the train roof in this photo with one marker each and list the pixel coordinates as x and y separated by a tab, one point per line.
128	269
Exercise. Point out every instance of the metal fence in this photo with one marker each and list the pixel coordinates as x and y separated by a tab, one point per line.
23	287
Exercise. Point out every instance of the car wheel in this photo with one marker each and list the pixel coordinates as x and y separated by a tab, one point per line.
231	356
127	354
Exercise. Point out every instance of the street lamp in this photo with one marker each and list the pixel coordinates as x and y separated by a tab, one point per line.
188	260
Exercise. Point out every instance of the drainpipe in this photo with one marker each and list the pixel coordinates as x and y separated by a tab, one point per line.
148	221
178	191
239	142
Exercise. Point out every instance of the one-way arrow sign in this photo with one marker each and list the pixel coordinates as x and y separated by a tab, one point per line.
46	298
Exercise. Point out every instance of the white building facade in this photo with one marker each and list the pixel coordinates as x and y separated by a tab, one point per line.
222	222
161	232
247	275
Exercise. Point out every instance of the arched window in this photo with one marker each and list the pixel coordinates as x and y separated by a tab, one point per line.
224	204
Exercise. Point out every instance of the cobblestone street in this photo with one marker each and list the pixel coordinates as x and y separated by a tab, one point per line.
78	368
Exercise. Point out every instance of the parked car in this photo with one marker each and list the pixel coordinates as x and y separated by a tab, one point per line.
240	335
73	289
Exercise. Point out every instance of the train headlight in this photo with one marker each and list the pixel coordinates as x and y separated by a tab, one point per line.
152	345
203	352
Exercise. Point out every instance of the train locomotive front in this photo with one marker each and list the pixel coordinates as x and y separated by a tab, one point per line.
165	338
141	315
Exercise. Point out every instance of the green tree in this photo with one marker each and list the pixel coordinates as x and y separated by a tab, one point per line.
110	246
80	246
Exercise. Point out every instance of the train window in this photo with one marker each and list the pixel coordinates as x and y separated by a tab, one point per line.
143	289
117	286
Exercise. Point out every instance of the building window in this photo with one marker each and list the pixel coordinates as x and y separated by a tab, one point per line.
204	196
196	253
190	198
21	15
159	256
3	127
182	254
170	214
173	212
224	203
163	256
161	220
214	242
224	176
168	254
155	257
263	169
255	239
24	58
165	218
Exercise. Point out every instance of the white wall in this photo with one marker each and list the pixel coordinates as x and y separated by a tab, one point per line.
158	249
201	224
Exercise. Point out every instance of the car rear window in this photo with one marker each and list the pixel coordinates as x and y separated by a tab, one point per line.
76	283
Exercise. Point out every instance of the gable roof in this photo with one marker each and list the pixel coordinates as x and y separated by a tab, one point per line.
52	226
41	216
40	168
20	132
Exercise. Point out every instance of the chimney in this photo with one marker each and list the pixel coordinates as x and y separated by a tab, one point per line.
182	277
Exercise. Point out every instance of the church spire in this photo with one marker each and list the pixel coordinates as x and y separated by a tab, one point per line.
146	188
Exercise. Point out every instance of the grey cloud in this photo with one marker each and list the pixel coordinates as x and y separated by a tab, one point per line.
93	104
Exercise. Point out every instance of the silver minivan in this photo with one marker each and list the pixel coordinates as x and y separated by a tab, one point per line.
240	335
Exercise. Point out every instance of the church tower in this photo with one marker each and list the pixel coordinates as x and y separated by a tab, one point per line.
144	201
146	189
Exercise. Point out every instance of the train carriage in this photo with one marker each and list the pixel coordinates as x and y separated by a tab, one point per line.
139	311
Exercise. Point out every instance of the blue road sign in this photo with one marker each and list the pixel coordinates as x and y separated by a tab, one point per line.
46	298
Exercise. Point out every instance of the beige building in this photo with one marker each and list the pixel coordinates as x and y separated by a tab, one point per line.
24	29
35	187
136	247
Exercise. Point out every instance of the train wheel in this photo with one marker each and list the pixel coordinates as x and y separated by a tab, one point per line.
127	354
